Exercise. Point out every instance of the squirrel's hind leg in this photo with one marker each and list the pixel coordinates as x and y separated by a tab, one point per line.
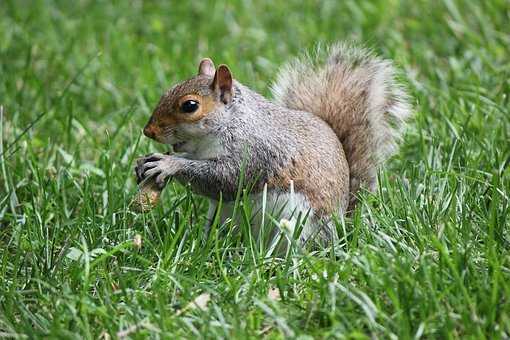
277	219
227	209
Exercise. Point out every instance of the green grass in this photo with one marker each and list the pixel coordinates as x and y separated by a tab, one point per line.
425	256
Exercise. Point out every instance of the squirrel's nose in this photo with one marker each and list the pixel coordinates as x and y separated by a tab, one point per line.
148	130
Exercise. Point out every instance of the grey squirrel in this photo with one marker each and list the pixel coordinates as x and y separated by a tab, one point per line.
335	117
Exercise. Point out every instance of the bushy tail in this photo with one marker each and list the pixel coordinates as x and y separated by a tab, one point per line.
357	94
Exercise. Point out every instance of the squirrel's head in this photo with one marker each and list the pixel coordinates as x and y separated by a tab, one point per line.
189	114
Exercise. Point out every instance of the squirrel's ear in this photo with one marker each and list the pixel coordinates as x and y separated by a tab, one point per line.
206	67
222	84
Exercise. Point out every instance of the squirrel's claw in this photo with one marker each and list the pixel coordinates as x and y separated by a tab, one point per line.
162	180
145	163
153	157
161	174
147	166
138	176
139	170
159	166
152	172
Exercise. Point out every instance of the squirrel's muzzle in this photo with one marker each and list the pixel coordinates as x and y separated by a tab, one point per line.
149	130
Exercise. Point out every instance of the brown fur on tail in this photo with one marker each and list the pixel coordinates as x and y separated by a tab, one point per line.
357	94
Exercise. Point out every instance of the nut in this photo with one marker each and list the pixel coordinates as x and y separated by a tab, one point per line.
147	196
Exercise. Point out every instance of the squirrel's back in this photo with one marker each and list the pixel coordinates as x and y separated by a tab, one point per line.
357	94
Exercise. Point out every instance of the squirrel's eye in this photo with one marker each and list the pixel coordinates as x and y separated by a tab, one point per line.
189	106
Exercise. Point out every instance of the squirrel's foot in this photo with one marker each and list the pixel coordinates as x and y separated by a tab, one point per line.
157	165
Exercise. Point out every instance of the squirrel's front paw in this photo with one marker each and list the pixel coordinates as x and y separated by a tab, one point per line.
157	165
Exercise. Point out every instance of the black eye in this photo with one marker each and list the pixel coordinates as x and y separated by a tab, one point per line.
189	106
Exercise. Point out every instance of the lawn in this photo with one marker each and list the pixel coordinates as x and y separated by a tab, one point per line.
426	256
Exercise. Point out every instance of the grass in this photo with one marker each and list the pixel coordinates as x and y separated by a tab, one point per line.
427	256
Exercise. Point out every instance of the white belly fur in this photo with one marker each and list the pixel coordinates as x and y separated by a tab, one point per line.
277	210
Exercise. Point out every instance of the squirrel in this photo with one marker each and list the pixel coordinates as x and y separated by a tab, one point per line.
335	117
